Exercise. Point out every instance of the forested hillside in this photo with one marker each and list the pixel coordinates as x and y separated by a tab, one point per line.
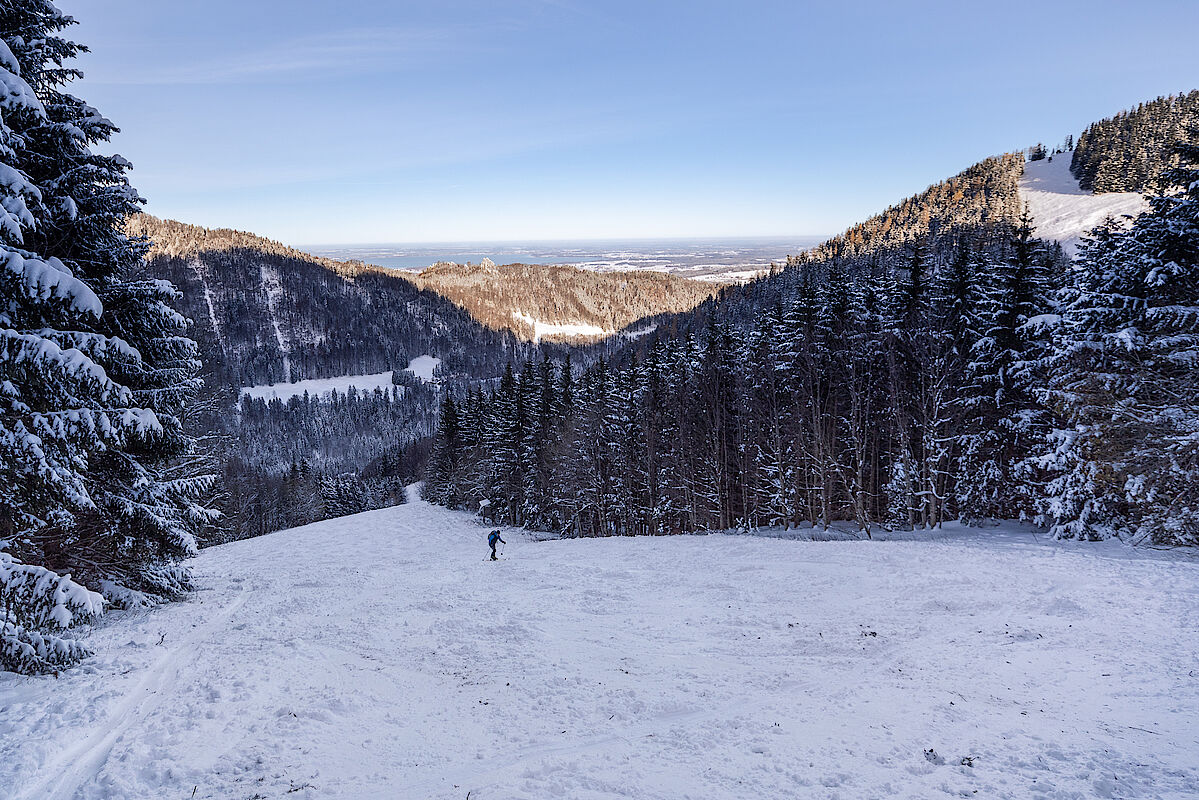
983	195
560	296
857	397
555	295
265	313
834	389
289	463
972	213
1129	151
936	362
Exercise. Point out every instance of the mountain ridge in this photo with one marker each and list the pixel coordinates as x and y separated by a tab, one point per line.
498	296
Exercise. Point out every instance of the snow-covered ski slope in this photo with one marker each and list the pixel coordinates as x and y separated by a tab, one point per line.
380	656
1062	211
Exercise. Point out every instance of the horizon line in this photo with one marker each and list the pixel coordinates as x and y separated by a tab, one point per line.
561	240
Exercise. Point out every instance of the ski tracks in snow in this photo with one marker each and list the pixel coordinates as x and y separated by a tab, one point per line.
62	776
380	656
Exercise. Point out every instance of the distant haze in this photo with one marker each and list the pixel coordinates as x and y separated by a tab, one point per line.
704	259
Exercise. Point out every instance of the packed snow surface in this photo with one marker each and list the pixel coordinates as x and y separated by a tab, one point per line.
1061	210
319	387
541	329
381	656
422	367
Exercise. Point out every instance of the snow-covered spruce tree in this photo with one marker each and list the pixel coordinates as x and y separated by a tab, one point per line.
770	355
957	301
1005	417
94	370
342	495
538	442
909	332
502	467
448	445
1125	374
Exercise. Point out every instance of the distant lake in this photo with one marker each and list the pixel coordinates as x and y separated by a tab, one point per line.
696	258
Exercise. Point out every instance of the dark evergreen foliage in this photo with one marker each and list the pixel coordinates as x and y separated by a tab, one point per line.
1128	152
373	442
973	375
102	490
843	401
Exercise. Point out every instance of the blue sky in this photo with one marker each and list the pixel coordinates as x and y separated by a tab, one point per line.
370	121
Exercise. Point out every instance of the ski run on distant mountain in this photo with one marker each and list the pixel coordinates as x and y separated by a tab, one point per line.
423	367
1063	212
541	329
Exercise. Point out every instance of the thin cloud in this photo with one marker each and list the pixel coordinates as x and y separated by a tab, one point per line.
344	52
392	167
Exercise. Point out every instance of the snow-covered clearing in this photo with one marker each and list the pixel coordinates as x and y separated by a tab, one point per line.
1062	211
423	367
637	334
728	276
380	656
319	387
541	329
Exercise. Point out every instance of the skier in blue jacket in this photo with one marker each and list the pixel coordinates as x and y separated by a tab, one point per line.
492	538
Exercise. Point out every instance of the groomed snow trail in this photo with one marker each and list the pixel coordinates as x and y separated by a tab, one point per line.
381	656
